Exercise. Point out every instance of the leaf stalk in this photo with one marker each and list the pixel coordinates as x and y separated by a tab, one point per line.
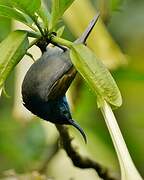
128	169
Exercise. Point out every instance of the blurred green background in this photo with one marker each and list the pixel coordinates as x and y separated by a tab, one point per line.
28	145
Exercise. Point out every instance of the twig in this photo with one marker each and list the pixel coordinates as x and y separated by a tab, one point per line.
77	159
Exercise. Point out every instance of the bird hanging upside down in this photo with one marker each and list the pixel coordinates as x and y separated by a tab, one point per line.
46	82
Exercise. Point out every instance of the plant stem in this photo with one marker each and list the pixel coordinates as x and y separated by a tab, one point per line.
38	25
81	39
30	26
33	43
128	170
33	34
61	41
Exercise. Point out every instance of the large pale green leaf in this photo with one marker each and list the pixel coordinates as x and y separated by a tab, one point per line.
12	49
27	6
9	12
96	74
58	9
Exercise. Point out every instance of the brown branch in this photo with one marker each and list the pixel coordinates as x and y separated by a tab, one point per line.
77	159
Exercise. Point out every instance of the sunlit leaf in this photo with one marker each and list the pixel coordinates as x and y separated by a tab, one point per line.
96	74
44	14
12	49
58	9
5	23
29	7
60	31
11	13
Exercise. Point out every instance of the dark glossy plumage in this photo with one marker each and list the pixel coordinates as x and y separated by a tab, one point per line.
45	85
47	81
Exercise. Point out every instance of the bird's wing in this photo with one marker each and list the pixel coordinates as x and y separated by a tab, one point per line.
60	87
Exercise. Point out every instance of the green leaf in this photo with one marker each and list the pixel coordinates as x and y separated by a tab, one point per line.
27	6
12	49
60	31
58	9
44	14
11	13
95	74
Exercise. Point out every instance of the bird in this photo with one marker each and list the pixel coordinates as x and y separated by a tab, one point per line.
47	81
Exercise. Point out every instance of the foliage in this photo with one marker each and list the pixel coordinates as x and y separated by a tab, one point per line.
12	49
42	24
96	74
58	8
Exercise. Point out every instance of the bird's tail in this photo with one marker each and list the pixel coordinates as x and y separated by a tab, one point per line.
86	33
